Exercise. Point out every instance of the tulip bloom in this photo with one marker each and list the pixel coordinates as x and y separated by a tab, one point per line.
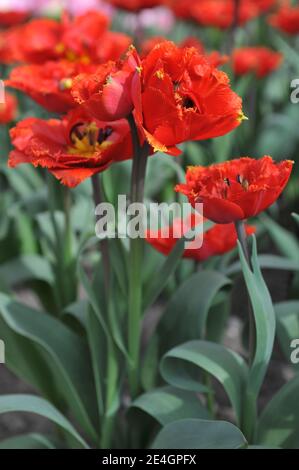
135	5
258	60
184	98
49	84
73	148
286	19
237	189
176	96
84	39
221	13
8	110
218	240
109	93
214	58
12	18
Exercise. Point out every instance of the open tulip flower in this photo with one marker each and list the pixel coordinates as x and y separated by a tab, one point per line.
286	19
73	148
183	97
175	93
221	13
237	189
258	60
48	84
216	241
83	39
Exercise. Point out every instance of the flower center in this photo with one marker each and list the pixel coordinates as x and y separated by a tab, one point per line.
88	139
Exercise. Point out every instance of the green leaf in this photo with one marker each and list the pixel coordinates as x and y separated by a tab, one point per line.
296	217
26	268
27	441
64	353
279	422
156	286
199	434
266	262
287	317
186	314
77	310
41	407
264	320
168	404
179	367
285	241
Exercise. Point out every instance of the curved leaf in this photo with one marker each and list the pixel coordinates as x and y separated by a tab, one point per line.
64	352
41	407
186	314
26	268
168	404
199	434
27	441
266	262
225	365
279	422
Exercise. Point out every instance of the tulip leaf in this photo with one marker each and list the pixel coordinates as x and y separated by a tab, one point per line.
26	268
279	422
265	321
199	434
285	241
296	217
77	310
63	353
266	262
41	407
168	404
185	317
179	367
156	286
27	441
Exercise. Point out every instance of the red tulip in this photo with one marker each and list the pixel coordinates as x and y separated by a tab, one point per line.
216	241
73	148
184	98
286	19
237	189
49	84
258	60
135	5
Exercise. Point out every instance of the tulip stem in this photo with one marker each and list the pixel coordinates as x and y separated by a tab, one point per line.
234	26
104	244
111	367
241	232
135	261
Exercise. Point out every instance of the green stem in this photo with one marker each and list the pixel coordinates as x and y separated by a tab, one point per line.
69	272
232	32
241	232
104	244
136	254
112	363
58	248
